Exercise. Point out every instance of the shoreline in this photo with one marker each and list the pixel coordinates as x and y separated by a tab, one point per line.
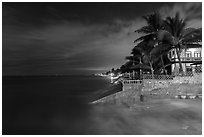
172	92
170	115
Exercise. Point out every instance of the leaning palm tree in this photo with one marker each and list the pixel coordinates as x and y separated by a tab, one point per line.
126	67
149	40
144	55
133	60
157	54
177	36
154	24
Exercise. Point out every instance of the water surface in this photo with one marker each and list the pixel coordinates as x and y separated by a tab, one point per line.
38	105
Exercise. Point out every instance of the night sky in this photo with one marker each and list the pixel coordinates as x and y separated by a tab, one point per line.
76	38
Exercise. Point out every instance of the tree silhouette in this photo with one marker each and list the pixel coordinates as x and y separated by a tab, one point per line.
150	40
161	36
176	36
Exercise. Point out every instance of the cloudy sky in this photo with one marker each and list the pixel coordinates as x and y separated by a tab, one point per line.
77	38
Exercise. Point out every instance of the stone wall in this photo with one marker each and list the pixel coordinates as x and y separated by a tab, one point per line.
132	85
177	89
150	84
177	86
124	97
195	79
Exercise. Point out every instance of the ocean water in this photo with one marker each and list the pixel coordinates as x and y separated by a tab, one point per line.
49	105
59	106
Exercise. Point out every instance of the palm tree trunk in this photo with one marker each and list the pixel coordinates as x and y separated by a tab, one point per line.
180	65
133	74
151	67
163	63
152	70
141	77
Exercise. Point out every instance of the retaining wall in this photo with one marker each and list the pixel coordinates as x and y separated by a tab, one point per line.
132	90
195	79
150	84
132	85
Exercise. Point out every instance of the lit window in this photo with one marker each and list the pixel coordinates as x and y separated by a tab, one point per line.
188	54
197	54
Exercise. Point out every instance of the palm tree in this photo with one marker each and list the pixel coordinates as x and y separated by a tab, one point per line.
157	54
133	60
126	67
154	24
145	56
176	36
150	41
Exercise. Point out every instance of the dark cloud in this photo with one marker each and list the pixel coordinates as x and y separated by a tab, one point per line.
191	12
186	10
54	38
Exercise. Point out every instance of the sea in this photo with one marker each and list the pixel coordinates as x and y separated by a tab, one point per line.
51	105
60	105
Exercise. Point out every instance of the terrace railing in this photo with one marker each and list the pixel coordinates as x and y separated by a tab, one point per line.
187	59
191	58
158	77
132	81
136	79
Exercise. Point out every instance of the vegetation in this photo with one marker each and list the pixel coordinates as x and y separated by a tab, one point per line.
159	37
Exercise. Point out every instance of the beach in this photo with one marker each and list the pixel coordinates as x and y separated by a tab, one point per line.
156	117
161	114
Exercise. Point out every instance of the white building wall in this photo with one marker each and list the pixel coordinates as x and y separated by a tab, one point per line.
173	57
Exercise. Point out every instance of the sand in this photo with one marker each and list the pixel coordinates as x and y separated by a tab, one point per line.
155	117
161	114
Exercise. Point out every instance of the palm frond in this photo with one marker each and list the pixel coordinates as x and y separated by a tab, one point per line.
192	45
128	64
137	50
193	35
159	50
145	30
165	37
129	57
154	23
133	58
145	38
174	25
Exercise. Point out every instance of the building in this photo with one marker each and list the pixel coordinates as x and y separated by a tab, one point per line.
191	59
